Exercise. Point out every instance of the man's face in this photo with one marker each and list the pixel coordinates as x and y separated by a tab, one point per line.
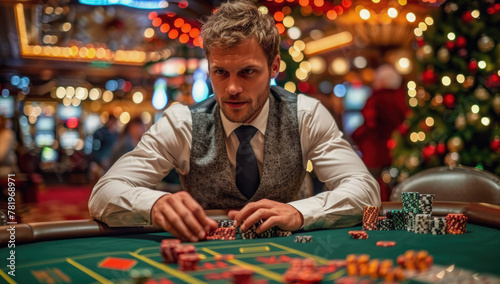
240	78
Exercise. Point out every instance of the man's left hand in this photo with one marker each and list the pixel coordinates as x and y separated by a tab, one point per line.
273	213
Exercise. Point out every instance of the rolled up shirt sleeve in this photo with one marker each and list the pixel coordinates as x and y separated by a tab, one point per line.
124	195
350	185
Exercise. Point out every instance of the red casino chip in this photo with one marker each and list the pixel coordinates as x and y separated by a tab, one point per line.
386	243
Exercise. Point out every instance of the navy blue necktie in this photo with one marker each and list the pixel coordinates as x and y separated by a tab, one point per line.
247	170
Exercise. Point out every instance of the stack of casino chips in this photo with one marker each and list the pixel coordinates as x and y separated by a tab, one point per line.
398	219
251	233
385	224
185	256
241	275
188	261
302	271
456	224
425	203
303	239
167	250
225	223
410	208
412	260
370	218
422	223
222	233
281	233
437	225
410	201
410	220
361	265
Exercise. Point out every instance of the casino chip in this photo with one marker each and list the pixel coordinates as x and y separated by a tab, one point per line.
303	239
386	243
359	235
241	275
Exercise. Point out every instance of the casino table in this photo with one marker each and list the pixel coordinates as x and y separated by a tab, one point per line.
88	251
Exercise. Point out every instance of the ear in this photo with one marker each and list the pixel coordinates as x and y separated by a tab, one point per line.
275	66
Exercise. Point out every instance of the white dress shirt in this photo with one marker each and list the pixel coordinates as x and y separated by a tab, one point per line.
124	195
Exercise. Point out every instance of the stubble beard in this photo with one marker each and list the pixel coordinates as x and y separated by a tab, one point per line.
252	112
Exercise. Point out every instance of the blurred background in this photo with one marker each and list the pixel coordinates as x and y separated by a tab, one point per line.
413	84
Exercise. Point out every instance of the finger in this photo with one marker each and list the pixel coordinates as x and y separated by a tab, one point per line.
212	224
185	222
232	215
249	209
259	214
162	222
202	222
268	224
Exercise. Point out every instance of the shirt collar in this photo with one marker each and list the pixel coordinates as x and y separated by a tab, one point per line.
260	122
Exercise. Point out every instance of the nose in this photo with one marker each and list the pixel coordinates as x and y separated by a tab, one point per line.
234	86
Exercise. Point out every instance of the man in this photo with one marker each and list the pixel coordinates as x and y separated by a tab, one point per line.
203	145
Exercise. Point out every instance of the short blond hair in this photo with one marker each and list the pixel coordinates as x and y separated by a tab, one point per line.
236	21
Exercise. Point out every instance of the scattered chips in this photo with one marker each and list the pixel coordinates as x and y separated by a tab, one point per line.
386	243
359	235
303	271
303	239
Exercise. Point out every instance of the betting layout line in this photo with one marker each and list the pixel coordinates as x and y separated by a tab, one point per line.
178	274
262	271
301	253
63	259
7	277
89	272
336	274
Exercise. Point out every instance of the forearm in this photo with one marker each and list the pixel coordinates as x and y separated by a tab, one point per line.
342	206
118	204
125	194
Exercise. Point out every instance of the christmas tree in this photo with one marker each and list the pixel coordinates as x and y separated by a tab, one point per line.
456	100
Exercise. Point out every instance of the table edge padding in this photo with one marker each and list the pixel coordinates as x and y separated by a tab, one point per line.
478	213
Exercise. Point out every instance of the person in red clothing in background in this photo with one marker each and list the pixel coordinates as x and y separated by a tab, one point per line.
383	112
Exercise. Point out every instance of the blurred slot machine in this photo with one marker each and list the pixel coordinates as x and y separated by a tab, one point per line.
91	123
354	101
44	137
7	106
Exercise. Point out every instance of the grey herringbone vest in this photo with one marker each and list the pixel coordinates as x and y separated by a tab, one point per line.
210	179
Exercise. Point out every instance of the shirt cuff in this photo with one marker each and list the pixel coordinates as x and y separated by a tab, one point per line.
144	204
309	209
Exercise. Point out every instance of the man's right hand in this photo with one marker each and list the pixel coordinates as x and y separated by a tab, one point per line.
183	217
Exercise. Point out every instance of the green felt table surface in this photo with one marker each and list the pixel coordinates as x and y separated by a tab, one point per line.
78	260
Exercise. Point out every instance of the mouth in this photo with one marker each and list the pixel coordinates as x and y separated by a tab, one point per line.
235	104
